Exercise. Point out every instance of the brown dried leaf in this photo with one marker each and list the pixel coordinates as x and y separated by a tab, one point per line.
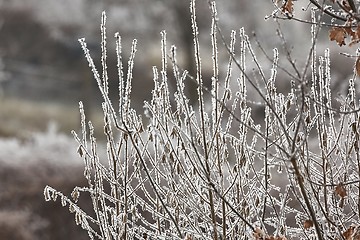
356	235
275	238
340	190
348	233
258	234
357	66
188	237
355	37
308	224
338	34
358	31
350	32
288	7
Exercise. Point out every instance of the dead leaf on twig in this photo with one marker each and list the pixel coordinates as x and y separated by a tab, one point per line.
348	233
338	34
260	235
288	7
352	233
308	224
340	190
357	66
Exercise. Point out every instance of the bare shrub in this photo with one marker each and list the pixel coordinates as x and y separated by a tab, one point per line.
212	170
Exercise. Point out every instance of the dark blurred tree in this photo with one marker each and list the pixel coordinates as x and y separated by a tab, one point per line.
24	39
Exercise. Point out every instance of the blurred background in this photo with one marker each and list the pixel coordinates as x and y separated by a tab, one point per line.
43	76
44	73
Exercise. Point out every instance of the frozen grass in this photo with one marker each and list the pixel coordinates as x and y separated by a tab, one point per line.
211	170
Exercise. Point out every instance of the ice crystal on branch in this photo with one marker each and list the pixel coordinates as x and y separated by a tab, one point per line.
215	170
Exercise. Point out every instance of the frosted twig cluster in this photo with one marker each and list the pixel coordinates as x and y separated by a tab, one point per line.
212	170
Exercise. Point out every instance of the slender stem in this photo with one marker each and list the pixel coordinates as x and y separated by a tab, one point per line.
300	179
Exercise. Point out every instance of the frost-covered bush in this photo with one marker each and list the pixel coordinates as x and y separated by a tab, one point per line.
214	170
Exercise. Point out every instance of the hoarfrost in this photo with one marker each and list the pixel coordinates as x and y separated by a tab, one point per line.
213	171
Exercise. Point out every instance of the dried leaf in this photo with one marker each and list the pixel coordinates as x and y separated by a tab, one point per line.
340	190
348	233
338	34
308	224
355	36
350	32
356	235
80	151
288	7
75	194
357	66
188	237
275	238
258	234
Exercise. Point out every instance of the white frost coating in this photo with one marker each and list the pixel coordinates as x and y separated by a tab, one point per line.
222	172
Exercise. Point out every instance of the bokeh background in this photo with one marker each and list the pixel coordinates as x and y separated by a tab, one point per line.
43	76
